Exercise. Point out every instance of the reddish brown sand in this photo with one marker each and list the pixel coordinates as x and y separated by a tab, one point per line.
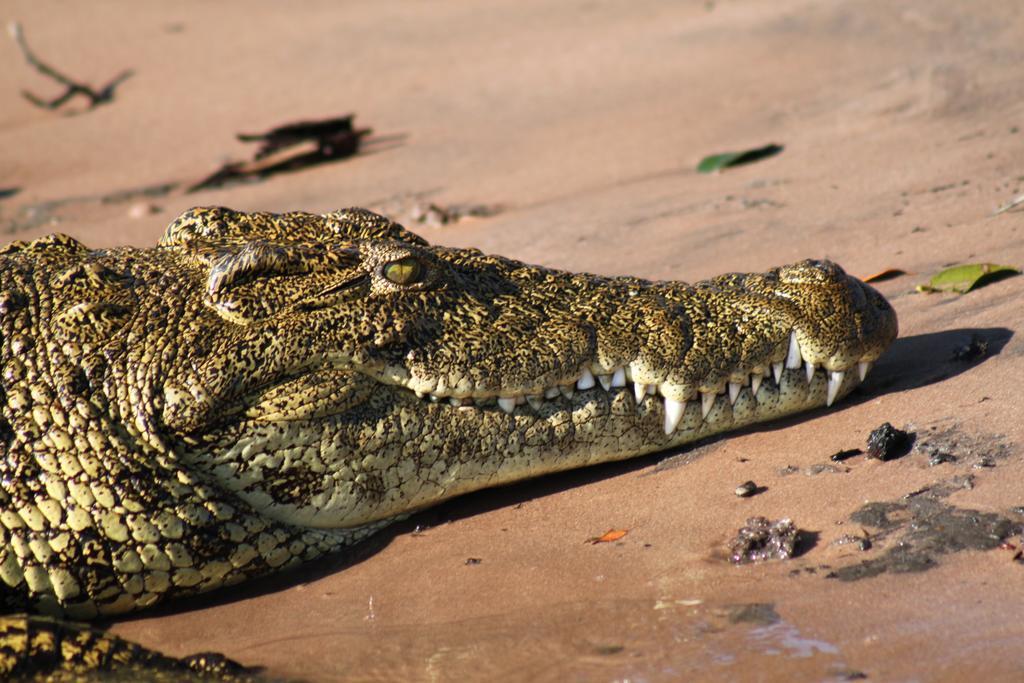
902	125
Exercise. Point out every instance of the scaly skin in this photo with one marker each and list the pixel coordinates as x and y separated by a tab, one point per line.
259	390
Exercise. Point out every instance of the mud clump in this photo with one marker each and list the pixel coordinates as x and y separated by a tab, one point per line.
888	443
762	539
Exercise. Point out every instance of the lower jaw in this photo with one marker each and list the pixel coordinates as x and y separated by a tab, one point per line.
598	426
403	455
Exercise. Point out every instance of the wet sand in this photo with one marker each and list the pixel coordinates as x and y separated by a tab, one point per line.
902	127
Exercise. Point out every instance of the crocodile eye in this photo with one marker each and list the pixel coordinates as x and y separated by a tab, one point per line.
404	271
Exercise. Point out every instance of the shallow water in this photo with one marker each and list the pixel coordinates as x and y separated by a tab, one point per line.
606	640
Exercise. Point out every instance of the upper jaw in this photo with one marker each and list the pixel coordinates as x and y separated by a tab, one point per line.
826	322
839	380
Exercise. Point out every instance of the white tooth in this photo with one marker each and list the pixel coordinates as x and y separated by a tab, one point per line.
552	392
619	377
863	368
673	414
809	367
507	404
567	390
606	381
793	358
586	380
434	399
421	394
835	380
639	390
535	402
777	371
707	401
734	392
455	401
755	383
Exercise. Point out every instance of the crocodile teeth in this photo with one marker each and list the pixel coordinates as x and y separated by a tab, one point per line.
606	381
535	402
673	414
551	392
567	391
507	404
793	358
619	377
639	391
835	380
862	369
707	401
586	381
457	402
809	367
734	392
755	383
777	371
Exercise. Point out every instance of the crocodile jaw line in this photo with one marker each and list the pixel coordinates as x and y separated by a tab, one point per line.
762	389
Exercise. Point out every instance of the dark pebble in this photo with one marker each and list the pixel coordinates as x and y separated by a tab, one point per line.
746	489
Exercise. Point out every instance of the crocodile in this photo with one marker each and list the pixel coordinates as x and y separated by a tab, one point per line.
260	390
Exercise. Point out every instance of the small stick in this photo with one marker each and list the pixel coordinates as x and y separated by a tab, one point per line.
1016	201
96	97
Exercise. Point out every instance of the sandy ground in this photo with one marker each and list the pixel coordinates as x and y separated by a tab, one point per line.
902	131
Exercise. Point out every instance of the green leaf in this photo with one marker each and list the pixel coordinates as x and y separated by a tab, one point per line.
718	162
962	279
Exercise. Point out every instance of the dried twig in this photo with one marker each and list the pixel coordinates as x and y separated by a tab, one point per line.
72	87
288	148
1016	201
302	131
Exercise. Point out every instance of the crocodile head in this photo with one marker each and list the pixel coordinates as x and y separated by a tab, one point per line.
335	370
260	389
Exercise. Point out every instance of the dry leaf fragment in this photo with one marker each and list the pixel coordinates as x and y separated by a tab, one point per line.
887	274
609	536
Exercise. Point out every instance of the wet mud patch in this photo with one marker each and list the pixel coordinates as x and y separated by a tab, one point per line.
918	529
759	613
924	528
913	532
812	470
921	527
951	445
